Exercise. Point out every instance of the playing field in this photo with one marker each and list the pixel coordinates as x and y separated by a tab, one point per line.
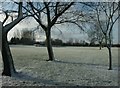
73	66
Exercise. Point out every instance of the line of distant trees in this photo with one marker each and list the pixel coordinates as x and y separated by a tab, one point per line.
47	14
55	42
23	41
24	37
27	37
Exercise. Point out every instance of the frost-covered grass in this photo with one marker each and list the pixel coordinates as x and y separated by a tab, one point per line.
83	66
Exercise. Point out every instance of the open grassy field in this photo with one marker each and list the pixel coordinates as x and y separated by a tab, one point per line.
74	66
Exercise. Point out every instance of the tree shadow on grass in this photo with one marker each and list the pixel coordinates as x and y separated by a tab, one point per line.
27	77
87	64
68	62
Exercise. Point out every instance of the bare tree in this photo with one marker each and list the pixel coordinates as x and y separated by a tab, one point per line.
77	41
106	12
70	41
8	64
110	12
27	37
27	34
95	34
51	11
99	35
17	34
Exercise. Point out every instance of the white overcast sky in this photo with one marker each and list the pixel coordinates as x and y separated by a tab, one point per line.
68	31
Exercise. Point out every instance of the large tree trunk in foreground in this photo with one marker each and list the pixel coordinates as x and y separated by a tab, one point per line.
8	65
49	46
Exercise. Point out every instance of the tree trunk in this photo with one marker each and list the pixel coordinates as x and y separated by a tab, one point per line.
8	65
110	58
100	45
49	46
109	52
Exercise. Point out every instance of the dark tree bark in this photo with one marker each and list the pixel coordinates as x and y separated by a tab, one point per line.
106	26
8	65
110	58
110	53
100	45
49	46
52	14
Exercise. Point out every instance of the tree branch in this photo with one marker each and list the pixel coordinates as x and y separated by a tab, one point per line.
9	26
5	17
73	22
48	13
59	14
